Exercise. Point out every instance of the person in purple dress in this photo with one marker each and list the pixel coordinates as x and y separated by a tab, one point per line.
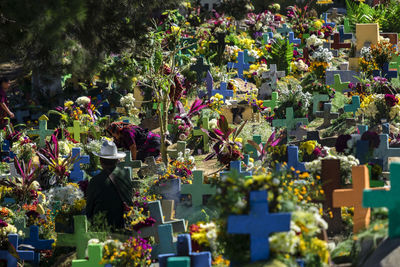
140	142
4	110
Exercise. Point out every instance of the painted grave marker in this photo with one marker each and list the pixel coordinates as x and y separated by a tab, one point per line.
129	163
340	86
273	102
292	39
252	151
290	122
284	30
198	189
344	36
326	23
209	84
355	104
166	243
387	198
240	66
180	148
199	68
42	132
293	159
95	254
366	33
327	115
344	75
318	98
223	90
236	167
353	198
384	151
25	255
76	130
248	59
37	243
385	72
337	44
205	137
80	237
77	174
259	224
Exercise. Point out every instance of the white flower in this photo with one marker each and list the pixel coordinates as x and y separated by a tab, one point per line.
313	40
82	101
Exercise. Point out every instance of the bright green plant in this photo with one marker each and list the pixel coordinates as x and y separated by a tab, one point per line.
282	54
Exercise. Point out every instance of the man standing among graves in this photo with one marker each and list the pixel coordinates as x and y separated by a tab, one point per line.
111	191
4	110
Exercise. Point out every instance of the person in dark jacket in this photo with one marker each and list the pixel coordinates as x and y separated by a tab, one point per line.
111	191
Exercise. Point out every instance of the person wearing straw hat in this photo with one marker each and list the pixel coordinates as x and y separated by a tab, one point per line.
111	191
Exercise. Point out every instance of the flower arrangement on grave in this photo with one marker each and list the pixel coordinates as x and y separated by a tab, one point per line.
383	52
287	191
366	62
82	109
376	107
128	103
183	121
24	186
36	214
381	85
137	216
263	149
181	168
24	148
6	229
57	165
293	96
131	253
259	23
321	59
346	164
226	147
311	150
251	97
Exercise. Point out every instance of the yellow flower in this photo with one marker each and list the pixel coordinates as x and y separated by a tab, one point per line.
175	29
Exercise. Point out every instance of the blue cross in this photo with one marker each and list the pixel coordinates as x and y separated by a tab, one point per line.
37	243
362	151
332	24
223	90
344	36
259	224
26	255
237	167
247	58
267	36
355	104
184	249
284	30
293	40
362	129
76	173
240	65
293	159
385	72
384	151
166	242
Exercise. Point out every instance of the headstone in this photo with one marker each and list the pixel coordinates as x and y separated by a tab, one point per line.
344	36
236	166
331	177
340	86
385	72
223	90
80	237
184	256
387	198
326	23
166	243
290	122
240	65
77	174
25	255
354	106
152	168
366	33
95	254
43	132
353	198
327	115
200	68
345	76
259	224
198	189
36	242
299	133
205	137
318	98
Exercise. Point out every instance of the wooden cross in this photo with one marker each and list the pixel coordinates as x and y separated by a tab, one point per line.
80	237
198	189
76	130
25	255
292	39
318	98
293	159
330	178
354	106
248	59
353	198
387	198
273	103
37	243
344	36
290	122
338	85
199	68
337	44
77	174
259	224
385	72
240	65
332	24
166	245
95	254
327	115
223	90
43	132
129	163
205	138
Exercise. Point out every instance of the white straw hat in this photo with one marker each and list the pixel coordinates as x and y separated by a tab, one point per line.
109	151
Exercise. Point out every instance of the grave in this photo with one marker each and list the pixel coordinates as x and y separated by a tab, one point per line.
184	255
387	198
344	36
384	151
353	107
39	244
293	159
180	148
76	130
318	98
338	85
284	30
21	114
129	163
42	132
236	167
326	23
272	76
345	76
353	198
252	151
259	224
293	40
166	243
366	33
273	102
80	237
337	44
24	255
95	254
198	189
290	122
209	84
152	168
240	66
226	93
327	115
248	59
385	72
77	174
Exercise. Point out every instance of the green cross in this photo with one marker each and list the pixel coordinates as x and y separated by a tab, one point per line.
346	24
338	85
43	132
129	163
249	149
180	147
199	132
95	253
76	130
290	122
387	198
80	237
198	189
273	103
318	98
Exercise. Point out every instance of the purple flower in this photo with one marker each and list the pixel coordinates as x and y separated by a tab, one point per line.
391	100
3	223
